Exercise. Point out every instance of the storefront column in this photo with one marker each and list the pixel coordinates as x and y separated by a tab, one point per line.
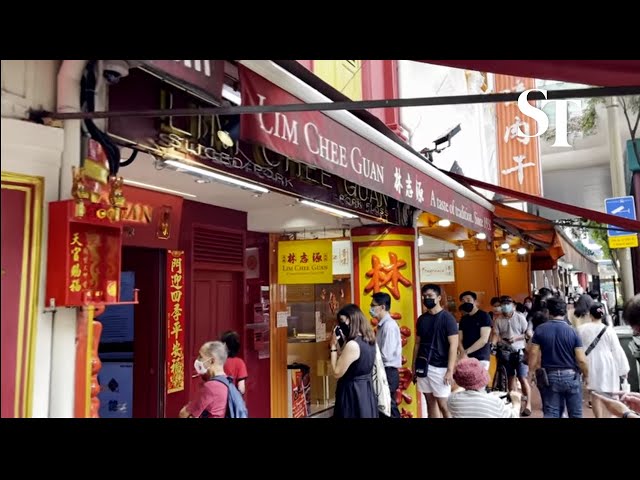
383	261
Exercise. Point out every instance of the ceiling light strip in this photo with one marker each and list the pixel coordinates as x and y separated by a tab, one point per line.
216	176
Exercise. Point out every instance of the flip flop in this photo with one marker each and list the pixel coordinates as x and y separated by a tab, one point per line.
525	413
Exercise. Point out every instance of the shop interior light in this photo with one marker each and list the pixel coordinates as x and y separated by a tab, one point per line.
326	209
444	223
154	187
439	259
420	241
505	246
228	130
460	252
481	236
216	176
522	251
504	262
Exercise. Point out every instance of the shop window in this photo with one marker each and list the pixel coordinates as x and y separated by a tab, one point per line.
311	317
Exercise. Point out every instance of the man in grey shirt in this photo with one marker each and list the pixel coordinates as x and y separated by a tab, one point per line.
512	330
390	343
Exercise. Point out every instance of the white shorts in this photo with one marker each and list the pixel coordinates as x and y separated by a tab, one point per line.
434	382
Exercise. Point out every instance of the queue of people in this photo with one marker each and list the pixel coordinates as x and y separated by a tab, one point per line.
544	345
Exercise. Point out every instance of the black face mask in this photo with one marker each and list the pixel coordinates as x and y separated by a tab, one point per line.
429	303
342	332
466	307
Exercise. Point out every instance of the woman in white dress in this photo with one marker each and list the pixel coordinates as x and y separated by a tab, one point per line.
607	360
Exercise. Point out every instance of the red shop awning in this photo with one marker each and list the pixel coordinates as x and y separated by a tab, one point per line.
529	227
345	146
533	229
605	73
603	218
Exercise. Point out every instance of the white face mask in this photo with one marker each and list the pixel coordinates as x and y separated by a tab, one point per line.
199	366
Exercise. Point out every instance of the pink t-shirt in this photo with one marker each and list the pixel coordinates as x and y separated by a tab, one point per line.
211	398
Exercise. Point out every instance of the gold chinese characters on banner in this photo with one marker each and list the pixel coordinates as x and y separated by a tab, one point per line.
175	320
305	262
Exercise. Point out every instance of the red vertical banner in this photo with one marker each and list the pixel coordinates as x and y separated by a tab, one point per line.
518	156
175	321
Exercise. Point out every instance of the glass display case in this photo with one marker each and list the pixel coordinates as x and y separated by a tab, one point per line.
312	311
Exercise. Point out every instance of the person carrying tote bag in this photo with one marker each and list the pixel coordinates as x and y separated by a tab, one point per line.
381	385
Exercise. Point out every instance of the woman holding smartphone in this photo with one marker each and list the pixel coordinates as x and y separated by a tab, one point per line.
355	397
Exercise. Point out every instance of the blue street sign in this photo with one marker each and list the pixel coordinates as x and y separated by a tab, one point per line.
624	207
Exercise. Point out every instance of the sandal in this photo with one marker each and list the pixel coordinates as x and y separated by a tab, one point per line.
525	413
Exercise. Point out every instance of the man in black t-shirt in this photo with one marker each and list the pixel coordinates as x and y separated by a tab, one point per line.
435	352
475	330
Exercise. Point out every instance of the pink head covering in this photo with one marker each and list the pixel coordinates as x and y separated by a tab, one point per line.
470	374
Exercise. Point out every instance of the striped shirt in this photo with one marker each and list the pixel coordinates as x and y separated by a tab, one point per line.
479	404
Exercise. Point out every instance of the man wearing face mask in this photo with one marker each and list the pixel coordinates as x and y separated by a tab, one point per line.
495	308
511	329
475	330
435	352
390	343
211	399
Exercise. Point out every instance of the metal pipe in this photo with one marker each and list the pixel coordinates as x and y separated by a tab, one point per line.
68	90
619	188
350	105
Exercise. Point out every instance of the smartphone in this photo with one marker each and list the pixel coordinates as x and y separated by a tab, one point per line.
339	336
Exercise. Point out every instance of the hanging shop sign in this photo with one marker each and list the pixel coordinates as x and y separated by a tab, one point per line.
194	139
175	320
203	77
317	140
342	257
518	156
305	262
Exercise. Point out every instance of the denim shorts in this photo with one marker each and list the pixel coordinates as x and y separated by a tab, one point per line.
520	369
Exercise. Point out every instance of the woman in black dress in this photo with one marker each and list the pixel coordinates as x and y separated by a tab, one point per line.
355	397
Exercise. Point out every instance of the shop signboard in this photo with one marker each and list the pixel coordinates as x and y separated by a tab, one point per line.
305	262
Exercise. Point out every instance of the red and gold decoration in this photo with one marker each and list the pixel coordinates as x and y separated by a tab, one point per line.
175	321
21	246
92	181
84	264
383	262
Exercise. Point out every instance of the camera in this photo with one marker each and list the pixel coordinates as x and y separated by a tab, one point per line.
114	70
